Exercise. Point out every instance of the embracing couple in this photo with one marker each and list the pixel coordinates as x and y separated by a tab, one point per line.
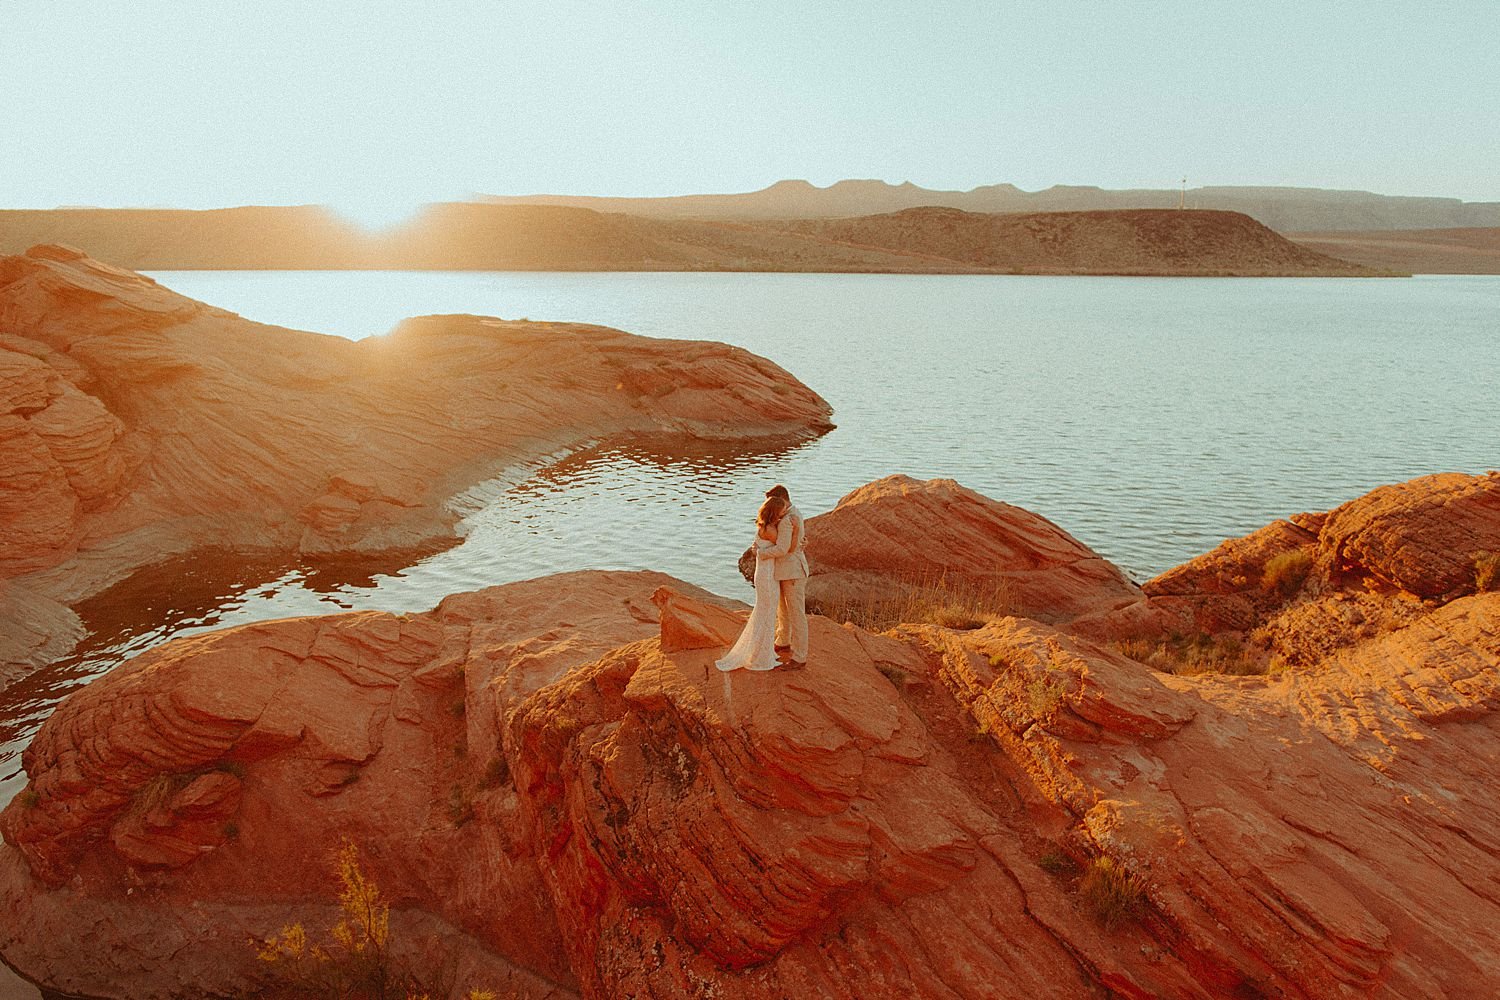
778	623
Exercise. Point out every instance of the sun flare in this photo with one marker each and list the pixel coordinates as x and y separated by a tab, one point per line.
375	215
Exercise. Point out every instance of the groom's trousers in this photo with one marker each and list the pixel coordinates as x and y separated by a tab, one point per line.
791	618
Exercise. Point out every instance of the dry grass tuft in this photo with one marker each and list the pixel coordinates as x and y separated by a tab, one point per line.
929	600
1486	571
1044	696
1285	573
1198	654
1110	894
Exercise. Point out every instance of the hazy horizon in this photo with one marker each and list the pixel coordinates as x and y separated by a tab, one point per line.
376	109
478	197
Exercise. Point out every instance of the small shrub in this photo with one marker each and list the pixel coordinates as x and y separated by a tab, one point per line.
233	767
1285	572
1044	696
355	960
1056	863
30	798
231	830
458	708
1110	894
1487	571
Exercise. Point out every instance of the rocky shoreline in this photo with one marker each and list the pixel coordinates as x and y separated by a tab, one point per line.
562	798
137	424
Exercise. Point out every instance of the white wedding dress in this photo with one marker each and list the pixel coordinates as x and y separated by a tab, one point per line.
755	649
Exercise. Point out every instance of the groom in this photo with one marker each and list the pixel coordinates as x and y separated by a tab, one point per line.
791	575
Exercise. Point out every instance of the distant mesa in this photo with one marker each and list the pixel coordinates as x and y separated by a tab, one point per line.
1284	209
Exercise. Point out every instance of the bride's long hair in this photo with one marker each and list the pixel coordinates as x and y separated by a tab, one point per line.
770	512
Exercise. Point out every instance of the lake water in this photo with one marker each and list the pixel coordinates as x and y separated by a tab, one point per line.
1151	418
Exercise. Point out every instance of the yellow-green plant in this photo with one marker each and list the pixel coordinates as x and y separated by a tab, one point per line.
355	962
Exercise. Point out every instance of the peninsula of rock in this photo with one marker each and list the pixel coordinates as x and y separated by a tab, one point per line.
137	424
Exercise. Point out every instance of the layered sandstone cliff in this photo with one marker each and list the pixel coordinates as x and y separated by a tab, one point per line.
136	424
553	784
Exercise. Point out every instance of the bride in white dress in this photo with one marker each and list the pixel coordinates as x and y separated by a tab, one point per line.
755	648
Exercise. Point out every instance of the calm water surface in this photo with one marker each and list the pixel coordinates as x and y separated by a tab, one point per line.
1151	418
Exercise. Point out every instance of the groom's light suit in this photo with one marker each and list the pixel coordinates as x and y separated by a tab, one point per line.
791	575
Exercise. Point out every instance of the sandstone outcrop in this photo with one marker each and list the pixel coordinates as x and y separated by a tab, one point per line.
899	532
557	788
136	424
1299	589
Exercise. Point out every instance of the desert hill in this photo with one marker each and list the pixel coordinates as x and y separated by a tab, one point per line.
1418	251
1141	241
468	236
1281	208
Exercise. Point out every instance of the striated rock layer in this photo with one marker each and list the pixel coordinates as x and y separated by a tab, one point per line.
137	424
557	788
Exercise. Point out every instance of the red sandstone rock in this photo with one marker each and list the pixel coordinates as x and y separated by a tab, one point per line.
1420	536
897	531
137	424
1374	564
688	624
551	778
557	788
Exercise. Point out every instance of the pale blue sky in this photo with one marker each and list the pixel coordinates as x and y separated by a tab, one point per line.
260	101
